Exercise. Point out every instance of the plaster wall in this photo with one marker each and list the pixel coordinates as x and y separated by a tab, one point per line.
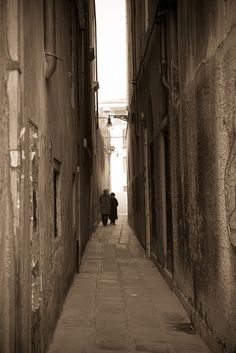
9	170
146	101
200	110
207	92
47	107
42	127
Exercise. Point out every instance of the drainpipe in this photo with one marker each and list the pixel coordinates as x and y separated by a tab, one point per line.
50	38
163	55
146	192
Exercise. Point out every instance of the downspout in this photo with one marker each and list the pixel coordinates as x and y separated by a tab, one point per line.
163	55
146	192
50	38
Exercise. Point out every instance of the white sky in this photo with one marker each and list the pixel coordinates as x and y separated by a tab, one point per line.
111	40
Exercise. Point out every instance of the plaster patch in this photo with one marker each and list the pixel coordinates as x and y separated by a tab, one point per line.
14	159
22	133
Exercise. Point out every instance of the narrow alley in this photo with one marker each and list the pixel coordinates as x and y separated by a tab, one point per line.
134	100
119	302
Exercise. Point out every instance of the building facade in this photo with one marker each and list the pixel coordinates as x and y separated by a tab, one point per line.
50	154
181	153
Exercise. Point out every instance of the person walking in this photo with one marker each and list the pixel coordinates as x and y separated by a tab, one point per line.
105	206
114	204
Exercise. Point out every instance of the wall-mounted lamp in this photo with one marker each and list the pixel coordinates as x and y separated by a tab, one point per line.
109	123
119	116
111	148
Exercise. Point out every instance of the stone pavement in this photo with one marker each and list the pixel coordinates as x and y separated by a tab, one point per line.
119	302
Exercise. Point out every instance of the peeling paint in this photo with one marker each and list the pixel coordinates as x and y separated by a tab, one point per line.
14	159
31	108
22	133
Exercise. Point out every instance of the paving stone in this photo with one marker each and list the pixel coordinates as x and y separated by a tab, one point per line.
109	265
119	302
112	345
97	350
159	347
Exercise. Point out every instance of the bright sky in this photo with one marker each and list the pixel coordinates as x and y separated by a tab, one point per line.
111	37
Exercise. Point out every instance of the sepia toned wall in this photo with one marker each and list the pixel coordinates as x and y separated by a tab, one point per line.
9	172
182	92
47	172
207	95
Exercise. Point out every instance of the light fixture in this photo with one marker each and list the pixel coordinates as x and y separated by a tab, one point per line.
109	123
111	148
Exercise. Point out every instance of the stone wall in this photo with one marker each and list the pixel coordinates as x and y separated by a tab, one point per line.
183	95
47	181
9	172
207	98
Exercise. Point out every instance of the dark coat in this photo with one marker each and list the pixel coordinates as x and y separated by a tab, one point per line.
114	204
105	204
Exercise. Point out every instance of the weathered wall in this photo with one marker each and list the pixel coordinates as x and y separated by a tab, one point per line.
9	171
144	75
101	175
46	182
191	154
47	105
91	148
207	93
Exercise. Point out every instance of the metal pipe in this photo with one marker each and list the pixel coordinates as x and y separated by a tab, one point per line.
146	192
163	56
50	38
